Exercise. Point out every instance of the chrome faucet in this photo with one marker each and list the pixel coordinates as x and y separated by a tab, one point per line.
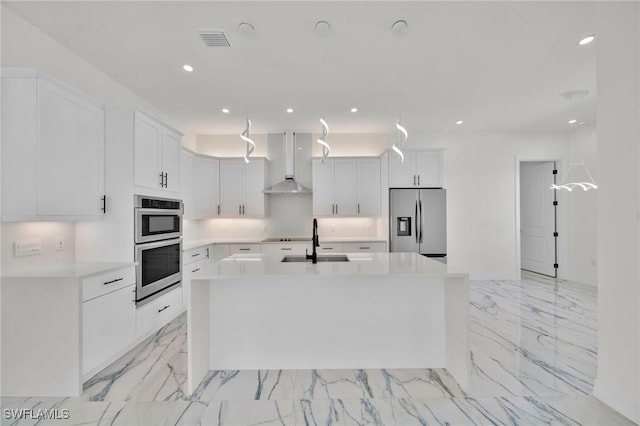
315	243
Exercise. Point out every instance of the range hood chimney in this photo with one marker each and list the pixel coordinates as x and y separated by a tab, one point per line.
289	184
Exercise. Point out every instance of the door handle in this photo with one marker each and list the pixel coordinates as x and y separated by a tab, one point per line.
166	180
420	203
336	209
104	204
218	209
113	281
160	310
161	179
418	180
239	209
414	180
358	208
243	209
415	220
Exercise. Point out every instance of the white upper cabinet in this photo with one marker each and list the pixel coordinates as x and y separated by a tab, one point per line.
52	150
241	187
156	154
187	184
420	169
346	187
368	187
207	187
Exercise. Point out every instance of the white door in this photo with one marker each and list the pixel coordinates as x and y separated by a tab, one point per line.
207	187
369	187
187	185
402	175
231	188
147	152
253	199
345	187
323	188
537	218
428	169
70	154
171	160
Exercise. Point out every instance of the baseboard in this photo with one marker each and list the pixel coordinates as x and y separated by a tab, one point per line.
623	404
492	277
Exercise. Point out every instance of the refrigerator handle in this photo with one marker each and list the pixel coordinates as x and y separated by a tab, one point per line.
420	221
415	220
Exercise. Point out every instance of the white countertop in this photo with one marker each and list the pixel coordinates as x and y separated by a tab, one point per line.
71	270
239	266
191	244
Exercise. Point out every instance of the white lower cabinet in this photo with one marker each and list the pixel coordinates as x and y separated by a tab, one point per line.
192	261
218	251
108	327
157	313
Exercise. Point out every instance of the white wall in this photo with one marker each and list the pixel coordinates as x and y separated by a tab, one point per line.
480	178
618	113
582	209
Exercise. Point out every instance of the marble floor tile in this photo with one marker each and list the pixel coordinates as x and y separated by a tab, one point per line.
534	356
413	383
238	385
248	413
334	384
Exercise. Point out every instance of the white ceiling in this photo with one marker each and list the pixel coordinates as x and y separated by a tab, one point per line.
499	66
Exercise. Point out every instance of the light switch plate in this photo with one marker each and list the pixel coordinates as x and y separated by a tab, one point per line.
27	247
58	244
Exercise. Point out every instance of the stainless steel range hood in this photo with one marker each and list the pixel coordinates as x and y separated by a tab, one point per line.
289	184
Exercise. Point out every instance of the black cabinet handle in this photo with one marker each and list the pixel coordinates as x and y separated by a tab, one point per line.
162	179
160	310
196	254
104	204
365	248
244	249
285	248
195	270
166	180
418	180
218	209
113	281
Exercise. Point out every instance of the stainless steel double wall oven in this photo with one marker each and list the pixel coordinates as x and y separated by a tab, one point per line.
158	246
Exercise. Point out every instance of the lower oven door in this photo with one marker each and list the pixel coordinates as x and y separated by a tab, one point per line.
159	266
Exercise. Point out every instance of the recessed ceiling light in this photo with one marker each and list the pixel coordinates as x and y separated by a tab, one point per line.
459	122
354	109
187	68
573	121
586	40
225	110
290	110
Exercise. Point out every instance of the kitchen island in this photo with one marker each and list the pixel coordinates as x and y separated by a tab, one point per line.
376	310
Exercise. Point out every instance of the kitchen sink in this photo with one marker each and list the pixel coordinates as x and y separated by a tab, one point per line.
321	258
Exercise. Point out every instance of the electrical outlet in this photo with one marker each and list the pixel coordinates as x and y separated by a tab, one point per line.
58	243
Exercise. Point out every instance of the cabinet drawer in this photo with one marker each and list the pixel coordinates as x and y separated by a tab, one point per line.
286	248
109	281
330	248
159	312
244	248
375	247
194	255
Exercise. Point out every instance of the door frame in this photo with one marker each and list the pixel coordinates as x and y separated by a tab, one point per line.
561	217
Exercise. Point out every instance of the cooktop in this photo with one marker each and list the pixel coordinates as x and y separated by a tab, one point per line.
285	239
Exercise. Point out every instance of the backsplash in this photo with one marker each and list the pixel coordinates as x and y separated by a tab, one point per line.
46	232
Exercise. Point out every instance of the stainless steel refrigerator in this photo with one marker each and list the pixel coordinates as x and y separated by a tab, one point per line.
418	222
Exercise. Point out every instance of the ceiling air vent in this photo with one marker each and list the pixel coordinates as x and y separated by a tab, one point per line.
213	38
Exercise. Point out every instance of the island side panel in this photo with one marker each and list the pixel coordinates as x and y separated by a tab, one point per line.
41	337
327	322
457	329
197	333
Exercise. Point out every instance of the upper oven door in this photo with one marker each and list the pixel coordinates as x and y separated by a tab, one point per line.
157	224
